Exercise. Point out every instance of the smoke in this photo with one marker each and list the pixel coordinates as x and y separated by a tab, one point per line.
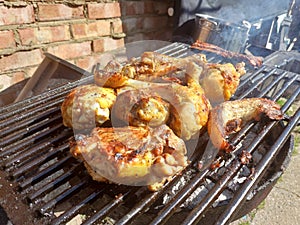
239	10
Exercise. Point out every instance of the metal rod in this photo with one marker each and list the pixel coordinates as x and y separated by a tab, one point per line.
241	194
72	211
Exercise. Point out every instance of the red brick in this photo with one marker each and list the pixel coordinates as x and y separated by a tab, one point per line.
165	35
11	78
21	59
135	37
94	29
20	15
5	81
48	12
155	22
117	26
132	24
7	39
133	7
88	62
161	8
41	35
104	10
107	44
149	7
71	50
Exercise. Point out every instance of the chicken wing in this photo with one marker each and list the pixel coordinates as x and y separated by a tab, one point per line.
229	117
87	106
132	155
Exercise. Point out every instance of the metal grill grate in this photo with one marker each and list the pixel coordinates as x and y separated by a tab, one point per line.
39	176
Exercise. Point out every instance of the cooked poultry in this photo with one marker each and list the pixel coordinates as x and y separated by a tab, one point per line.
152	67
189	107
132	155
87	106
162	103
229	117
140	107
221	81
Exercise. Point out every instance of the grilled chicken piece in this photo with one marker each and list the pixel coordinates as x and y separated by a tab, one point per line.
220	81
189	108
152	67
87	106
132	155
229	117
141	107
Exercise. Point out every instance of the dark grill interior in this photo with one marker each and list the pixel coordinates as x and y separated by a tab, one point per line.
42	180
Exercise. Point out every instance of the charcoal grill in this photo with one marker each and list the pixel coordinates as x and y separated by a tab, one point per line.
41	183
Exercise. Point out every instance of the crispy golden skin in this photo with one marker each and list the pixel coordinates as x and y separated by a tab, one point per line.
229	117
151	67
220	81
189	107
141	107
132	155
87	106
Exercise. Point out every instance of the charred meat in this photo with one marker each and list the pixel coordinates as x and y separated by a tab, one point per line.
229	117
252	60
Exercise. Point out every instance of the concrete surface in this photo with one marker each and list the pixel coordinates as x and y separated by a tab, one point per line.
282	205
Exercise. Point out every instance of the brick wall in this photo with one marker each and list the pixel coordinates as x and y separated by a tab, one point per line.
77	31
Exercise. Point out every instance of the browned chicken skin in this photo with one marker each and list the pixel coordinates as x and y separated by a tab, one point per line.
87	106
188	109
132	155
152	67
163	101
229	117
220	81
141	107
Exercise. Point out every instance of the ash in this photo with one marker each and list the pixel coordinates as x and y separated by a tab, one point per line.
209	182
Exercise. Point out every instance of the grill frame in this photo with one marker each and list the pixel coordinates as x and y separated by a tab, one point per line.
19	185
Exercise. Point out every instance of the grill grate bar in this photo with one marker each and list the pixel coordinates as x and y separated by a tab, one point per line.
30	129
242	193
139	208
29	114
55	183
175	202
197	212
40	148
271	85
52	153
50	204
71	212
259	82
19	114
108	208
28	141
25	125
13	109
44	173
